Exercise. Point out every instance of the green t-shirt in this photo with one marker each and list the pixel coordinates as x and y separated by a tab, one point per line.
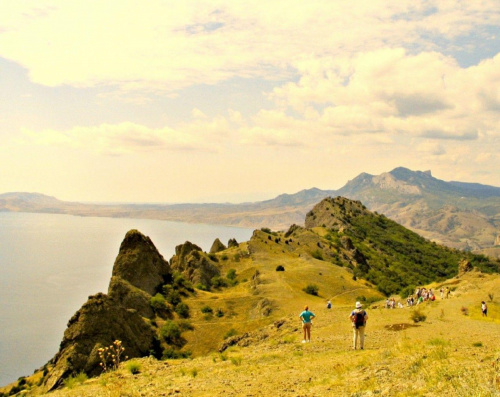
306	316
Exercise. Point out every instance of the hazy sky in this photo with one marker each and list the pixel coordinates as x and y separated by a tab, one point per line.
185	101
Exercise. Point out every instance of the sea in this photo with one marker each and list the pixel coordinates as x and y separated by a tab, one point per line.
51	263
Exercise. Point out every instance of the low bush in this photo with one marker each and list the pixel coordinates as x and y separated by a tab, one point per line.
280	268
206	309
133	367
230	333
311	289
417	315
182	310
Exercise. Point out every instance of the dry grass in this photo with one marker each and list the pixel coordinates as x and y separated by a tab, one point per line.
448	354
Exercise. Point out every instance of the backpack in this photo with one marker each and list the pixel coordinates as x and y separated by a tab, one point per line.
359	318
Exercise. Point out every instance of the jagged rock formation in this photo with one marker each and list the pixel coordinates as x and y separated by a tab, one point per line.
194	264
232	243
140	264
99	322
217	246
139	271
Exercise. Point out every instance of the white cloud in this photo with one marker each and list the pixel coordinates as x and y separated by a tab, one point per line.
165	46
117	139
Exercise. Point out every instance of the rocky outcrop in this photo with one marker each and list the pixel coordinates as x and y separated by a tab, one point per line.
232	243
140	264
97	324
334	213
217	246
195	265
139	271
464	267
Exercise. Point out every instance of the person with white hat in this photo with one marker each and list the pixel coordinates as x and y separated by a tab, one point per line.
358	318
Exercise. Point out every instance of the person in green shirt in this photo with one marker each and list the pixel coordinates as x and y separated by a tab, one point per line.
306	316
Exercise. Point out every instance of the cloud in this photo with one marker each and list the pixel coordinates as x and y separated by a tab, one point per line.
118	139
166	46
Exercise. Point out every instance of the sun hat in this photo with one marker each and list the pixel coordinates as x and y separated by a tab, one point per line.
358	305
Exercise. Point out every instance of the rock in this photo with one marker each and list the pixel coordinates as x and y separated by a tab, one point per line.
140	264
139	271
232	243
292	229
217	246
464	267
130	296
194	264
99	322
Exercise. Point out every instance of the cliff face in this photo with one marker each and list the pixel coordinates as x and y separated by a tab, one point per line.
139	271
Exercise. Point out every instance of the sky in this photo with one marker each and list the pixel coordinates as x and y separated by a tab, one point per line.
232	101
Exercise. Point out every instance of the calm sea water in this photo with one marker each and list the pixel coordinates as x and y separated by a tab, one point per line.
50	264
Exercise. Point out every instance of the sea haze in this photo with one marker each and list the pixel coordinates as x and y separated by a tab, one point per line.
51	263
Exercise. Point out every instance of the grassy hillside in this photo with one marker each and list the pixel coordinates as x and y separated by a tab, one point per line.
449	353
346	254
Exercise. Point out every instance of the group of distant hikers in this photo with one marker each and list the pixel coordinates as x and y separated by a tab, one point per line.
358	316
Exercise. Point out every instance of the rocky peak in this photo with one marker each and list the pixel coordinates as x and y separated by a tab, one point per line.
232	243
334	213
217	246
140	264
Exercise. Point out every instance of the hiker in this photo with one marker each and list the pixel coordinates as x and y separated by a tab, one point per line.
328	305
484	309
306	316
442	292
358	318
447	293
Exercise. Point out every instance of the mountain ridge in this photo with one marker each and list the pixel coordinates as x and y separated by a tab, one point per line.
458	214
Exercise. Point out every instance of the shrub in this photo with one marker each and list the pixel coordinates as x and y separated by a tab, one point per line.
280	268
172	296
417	316
206	309
311	289
224	257
231	274
236	360
230	333
265	230
218	282
477	344
170	332
201	287
69	382
81	377
185	325
219	313
158	302
213	257
134	367
182	310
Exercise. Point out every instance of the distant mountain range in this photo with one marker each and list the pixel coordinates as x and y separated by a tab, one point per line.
457	214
